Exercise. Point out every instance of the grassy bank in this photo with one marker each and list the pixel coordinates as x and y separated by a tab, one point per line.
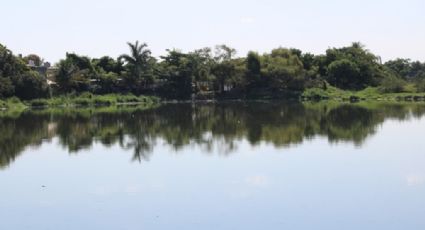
311	94
86	99
368	94
12	104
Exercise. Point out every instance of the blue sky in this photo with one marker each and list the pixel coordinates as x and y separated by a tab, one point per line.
50	28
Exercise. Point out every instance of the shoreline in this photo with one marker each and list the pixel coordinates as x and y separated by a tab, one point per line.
401	98
84	100
331	94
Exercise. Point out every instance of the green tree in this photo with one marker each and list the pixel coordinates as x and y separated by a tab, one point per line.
74	74
201	65
406	69
7	88
253	69
352	67
34	58
108	64
139	65
392	84
178	70
31	85
399	66
344	74
283	70
16	79
224	68
9	64
107	82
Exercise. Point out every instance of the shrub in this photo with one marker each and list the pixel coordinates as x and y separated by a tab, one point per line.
104	100
82	101
30	85
86	95
392	85
2	104
420	86
57	101
315	94
155	99
130	98
39	102
14	100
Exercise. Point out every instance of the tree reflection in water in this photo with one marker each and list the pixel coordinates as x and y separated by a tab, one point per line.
205	125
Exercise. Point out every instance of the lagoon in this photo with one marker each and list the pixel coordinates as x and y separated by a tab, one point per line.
230	165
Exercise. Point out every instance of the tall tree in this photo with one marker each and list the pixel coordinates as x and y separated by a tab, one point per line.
16	79
284	70
253	67
179	71
139	64
75	73
223	69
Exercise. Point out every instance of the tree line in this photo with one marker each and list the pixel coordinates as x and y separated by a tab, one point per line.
209	73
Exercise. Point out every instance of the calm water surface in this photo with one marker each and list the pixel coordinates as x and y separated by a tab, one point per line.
215	166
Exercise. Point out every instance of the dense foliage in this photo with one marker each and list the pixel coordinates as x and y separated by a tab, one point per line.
208	73
16	79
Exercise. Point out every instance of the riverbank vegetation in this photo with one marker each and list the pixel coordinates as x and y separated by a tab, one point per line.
85	99
352	73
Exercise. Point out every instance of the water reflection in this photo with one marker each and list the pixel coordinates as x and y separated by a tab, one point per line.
204	125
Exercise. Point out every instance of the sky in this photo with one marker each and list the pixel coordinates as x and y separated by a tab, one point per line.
50	28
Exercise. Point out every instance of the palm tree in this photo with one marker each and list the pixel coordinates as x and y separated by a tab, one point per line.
138	62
